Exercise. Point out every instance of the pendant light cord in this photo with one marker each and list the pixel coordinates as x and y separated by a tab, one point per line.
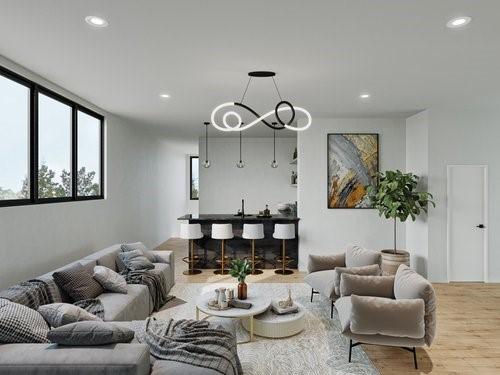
277	90
206	141
246	89
274	144
240	146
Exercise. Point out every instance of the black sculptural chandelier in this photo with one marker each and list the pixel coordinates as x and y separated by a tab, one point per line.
282	106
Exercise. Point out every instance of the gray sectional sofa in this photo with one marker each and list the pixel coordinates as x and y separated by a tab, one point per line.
132	358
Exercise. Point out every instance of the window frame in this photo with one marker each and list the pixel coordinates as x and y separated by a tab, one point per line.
34	90
191	157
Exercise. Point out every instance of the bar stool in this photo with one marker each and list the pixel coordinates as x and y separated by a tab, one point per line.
222	232
191	232
284	232
254	232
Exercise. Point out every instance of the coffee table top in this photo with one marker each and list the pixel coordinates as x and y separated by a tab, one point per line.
260	303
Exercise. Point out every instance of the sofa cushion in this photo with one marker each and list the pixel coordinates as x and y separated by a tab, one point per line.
90	333
325	262
373	270
409	284
135	305
20	324
77	282
377	286
344	307
135	260
106	257
357	256
389	317
59	314
110	280
323	282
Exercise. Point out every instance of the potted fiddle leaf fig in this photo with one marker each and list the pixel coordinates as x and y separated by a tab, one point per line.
395	197
240	269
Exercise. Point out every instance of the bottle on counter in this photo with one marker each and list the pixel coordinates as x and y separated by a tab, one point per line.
292	179
267	212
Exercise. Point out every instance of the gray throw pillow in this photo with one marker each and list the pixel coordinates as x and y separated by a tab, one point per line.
59	314
135	260
110	280
373	270
20	324
361	285
139	246
77	282
90	333
357	256
325	262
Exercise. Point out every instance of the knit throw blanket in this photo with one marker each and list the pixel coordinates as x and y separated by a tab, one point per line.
156	283
190	341
32	293
92	305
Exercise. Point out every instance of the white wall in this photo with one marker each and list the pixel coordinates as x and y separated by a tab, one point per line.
417	162
328	231
462	136
144	196
222	186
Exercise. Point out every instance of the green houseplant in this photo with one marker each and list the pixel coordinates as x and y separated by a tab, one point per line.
395	197
240	269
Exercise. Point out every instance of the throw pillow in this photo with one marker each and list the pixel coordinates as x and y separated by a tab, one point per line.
110	280
20	324
135	260
60	314
373	270
361	285
139	246
357	256
77	282
90	333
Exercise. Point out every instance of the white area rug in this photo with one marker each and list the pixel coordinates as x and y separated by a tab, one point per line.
318	350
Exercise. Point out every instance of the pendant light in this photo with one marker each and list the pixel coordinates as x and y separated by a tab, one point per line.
241	163
274	163
206	163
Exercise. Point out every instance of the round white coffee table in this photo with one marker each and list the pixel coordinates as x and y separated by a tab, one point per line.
269	324
259	303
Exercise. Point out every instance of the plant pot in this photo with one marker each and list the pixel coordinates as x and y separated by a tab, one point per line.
242	291
391	261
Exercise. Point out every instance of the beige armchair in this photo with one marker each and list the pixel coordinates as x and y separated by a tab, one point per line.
395	310
324	271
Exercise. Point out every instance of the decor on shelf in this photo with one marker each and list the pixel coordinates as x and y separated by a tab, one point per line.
295	154
240	269
396	197
240	163
282	106
206	163
352	168
274	163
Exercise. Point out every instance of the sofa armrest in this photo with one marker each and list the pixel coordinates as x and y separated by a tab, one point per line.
373	270
325	262
163	256
361	285
389	317
48	359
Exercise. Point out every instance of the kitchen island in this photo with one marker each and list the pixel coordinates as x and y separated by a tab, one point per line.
268	248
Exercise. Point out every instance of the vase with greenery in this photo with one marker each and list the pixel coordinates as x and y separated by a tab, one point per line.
396	197
240	269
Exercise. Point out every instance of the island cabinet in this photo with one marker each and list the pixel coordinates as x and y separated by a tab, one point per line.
268	248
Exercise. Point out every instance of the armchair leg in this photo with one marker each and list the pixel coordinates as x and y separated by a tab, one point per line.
350	350
313	292
331	311
414	351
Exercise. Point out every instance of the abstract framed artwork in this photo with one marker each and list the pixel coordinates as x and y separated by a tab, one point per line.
352	167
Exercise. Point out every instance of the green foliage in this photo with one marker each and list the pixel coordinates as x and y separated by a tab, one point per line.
240	269
395	196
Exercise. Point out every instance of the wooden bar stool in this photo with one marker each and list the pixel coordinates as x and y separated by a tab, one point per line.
222	232
283	232
254	232
191	232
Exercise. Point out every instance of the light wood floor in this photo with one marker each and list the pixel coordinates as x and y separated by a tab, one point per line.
468	337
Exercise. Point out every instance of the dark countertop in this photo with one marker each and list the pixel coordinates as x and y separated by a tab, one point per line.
232	217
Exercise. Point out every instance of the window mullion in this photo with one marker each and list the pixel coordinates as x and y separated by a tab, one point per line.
34	143
74	152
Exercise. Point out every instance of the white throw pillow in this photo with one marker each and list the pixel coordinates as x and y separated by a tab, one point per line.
110	280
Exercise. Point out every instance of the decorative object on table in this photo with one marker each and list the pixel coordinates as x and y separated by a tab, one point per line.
396	197
283	232
282	106
206	163
279	310
222	302
240	269
352	167
240	304
191	232
287	302
230	295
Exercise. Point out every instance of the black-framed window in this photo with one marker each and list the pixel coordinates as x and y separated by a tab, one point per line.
194	180
51	148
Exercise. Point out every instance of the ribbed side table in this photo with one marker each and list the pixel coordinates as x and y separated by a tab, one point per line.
269	324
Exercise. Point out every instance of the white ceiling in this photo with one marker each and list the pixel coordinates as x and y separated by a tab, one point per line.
325	53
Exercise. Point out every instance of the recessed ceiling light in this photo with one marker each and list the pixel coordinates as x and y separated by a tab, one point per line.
96	21
364	96
458	22
164	96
